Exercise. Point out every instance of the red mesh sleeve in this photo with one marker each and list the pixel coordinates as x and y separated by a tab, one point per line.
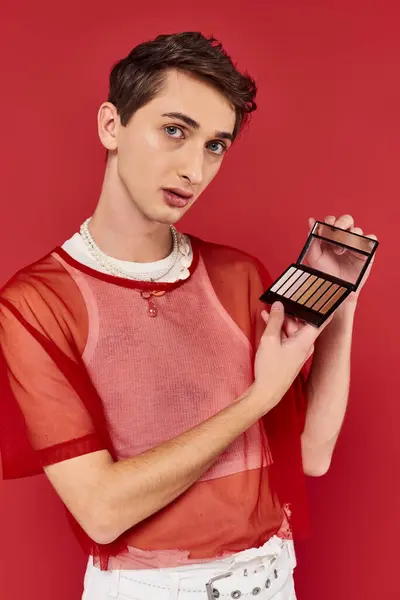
49	408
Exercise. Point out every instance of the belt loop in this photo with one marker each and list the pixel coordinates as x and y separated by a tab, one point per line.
266	561
292	553
175	585
114	583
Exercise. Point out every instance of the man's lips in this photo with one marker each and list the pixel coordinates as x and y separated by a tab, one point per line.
180	192
173	199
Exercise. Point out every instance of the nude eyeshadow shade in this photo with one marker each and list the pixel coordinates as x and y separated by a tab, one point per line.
310	294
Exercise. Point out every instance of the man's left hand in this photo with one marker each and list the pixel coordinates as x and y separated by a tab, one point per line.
338	261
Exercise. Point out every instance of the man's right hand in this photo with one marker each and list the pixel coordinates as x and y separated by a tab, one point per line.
284	348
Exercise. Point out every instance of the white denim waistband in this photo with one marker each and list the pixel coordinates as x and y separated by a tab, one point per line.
249	572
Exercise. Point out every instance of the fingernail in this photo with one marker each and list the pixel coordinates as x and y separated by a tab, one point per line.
277	306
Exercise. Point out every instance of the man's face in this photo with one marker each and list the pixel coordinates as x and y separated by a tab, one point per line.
155	152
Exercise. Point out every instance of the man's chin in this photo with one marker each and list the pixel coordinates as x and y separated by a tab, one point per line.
170	216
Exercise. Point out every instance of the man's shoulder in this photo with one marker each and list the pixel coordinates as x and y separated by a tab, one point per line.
43	295
232	259
37	278
225	255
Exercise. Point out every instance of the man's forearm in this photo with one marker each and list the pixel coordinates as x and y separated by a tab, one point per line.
327	392
138	487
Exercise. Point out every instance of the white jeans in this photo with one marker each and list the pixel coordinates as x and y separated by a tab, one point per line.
265	573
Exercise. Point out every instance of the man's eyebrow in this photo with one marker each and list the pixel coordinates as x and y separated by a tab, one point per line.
225	135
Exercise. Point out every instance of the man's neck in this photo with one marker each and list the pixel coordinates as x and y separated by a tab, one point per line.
122	232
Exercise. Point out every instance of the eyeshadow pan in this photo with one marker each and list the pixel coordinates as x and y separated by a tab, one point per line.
293	288
318	294
338	294
328	294
284	278
304	287
311	290
281	291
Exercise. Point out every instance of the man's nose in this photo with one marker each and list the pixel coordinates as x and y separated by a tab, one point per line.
192	166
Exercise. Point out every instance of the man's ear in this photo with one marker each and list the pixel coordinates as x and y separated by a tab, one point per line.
108	122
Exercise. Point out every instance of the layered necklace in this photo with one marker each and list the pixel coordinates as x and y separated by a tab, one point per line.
180	252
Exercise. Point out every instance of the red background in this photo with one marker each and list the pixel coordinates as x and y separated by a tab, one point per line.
325	140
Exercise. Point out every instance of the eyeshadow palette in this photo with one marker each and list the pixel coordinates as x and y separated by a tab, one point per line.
312	295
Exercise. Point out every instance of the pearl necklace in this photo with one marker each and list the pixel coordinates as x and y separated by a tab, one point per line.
180	247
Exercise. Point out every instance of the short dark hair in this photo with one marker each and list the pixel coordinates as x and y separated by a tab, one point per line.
136	79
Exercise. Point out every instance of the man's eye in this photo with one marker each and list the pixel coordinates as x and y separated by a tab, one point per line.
217	147
172	130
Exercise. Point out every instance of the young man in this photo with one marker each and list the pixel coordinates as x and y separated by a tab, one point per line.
175	425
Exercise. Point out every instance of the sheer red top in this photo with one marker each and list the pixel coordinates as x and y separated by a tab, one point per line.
85	368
